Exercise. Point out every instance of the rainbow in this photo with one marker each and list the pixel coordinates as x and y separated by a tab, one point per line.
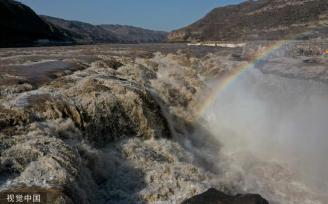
224	83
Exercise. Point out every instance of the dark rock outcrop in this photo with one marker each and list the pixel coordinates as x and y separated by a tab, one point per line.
213	196
259	20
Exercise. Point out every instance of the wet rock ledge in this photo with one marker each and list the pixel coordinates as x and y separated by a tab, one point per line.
213	196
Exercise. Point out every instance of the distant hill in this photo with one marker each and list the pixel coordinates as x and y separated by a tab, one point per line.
136	35
259	20
84	32
108	33
20	25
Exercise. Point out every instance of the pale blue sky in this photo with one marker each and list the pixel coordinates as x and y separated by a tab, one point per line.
153	14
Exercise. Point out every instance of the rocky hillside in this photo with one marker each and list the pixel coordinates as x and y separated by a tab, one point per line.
20	25
108	33
85	32
259	20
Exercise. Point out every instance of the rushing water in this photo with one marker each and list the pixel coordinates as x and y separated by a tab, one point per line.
273	132
265	133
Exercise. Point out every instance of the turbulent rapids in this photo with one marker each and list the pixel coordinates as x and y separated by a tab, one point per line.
121	124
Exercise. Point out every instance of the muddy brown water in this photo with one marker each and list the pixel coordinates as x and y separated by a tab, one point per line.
40	65
35	73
